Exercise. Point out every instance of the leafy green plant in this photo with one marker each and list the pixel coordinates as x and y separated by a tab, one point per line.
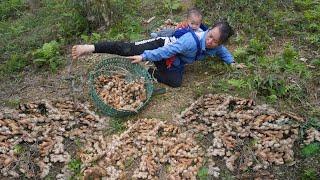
18	149
313	39
106	13
304	4
13	103
48	50
78	143
274	87
238	83
289	54
203	173
267	63
316	62
48	56
96	37
85	38
267	86
310	150
129	28
289	62
11	8
117	125
93	38
16	63
312	14
172	5
72	24
23	35
128	163
200	137
310	174
313	27
75	166
199	91
256	47
272	98
240	54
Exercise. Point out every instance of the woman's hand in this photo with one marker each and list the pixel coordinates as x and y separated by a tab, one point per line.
135	59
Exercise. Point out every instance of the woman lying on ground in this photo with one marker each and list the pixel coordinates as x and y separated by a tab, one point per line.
185	50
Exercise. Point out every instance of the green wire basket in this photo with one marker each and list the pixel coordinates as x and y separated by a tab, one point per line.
132	71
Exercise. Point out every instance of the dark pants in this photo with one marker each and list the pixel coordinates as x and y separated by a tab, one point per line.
170	77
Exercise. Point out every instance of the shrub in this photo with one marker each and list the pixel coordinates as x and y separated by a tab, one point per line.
303	4
54	20
274	87
289	62
11	8
105	12
309	174
238	83
240	54
203	173
310	150
48	56
75	166
256	47
72	25
15	64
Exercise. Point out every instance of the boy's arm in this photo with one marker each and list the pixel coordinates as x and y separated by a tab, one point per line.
182	24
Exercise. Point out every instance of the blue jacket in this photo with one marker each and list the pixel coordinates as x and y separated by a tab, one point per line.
185	49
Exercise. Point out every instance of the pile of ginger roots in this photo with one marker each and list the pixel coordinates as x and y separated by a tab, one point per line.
117	92
215	128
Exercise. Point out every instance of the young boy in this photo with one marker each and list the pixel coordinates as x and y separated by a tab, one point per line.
193	22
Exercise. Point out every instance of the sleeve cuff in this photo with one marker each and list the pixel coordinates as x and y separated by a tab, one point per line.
143	57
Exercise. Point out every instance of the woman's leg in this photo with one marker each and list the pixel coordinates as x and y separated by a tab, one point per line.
119	48
128	49
172	78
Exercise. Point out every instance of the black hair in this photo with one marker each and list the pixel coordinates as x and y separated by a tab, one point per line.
194	12
226	30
